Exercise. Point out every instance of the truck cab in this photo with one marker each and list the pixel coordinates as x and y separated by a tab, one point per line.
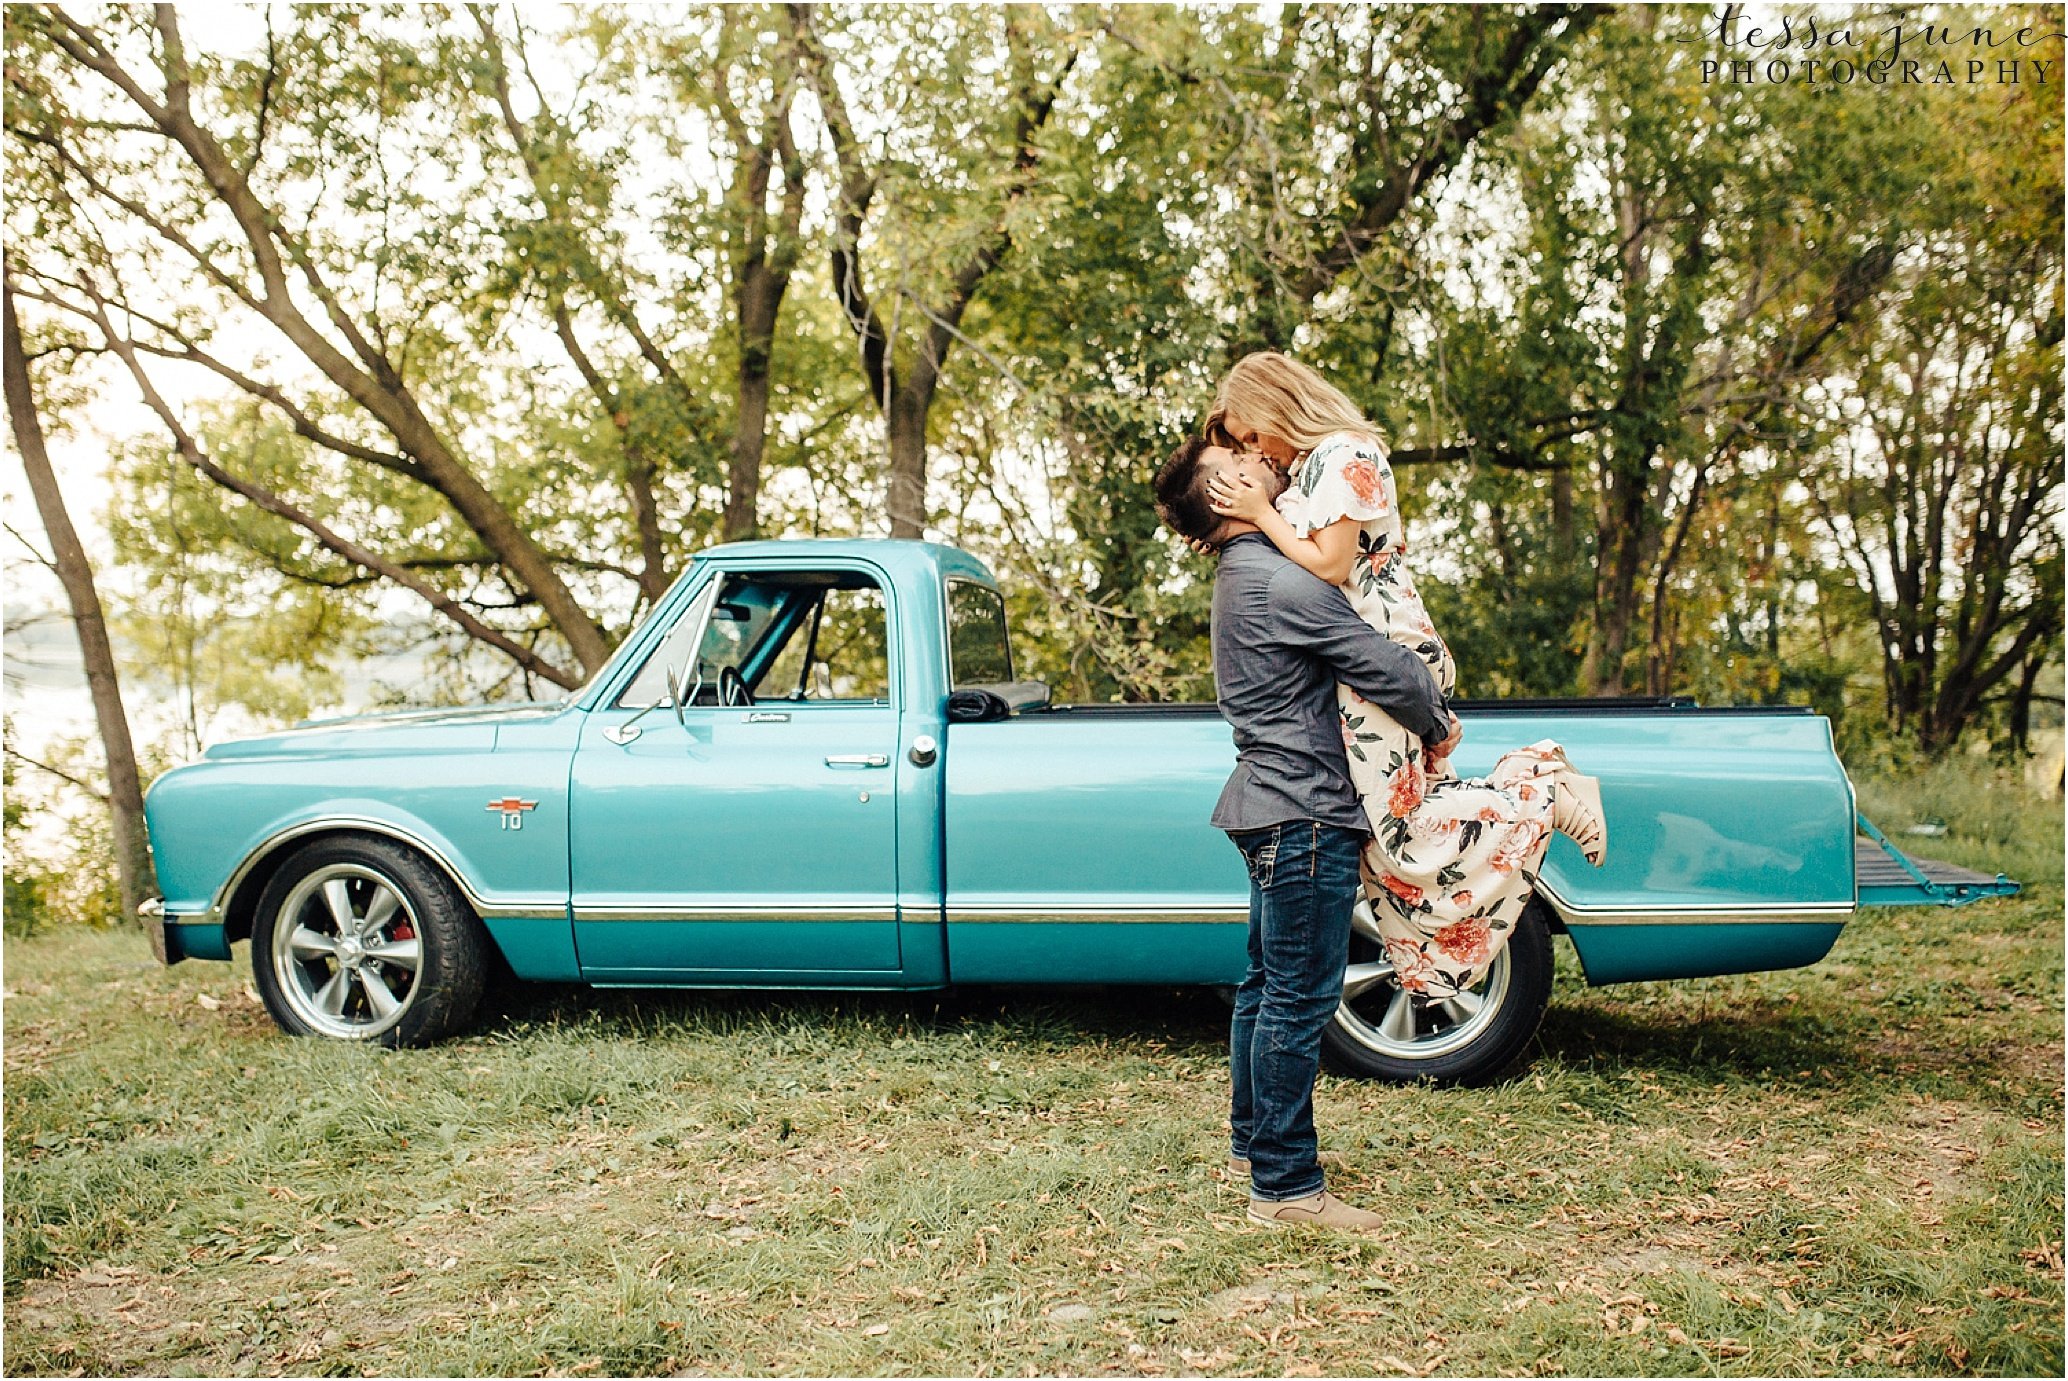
755	785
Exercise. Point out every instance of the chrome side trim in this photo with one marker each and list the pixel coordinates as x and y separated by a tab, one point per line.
1794	913
745	912
1834	916
973	915
514	908
1799	914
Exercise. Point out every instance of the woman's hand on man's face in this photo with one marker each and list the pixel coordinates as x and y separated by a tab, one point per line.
1234	494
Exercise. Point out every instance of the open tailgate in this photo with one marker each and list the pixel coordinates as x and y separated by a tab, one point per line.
1889	877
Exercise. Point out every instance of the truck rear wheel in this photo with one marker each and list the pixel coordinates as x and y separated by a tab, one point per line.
1383	1032
364	939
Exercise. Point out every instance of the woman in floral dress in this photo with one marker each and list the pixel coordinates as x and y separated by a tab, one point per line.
1452	861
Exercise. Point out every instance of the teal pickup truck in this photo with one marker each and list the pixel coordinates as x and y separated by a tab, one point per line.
814	766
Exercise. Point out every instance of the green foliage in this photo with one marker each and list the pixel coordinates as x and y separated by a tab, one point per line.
59	842
27	906
232	610
1645	347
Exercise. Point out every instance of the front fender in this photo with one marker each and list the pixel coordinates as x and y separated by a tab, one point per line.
220	828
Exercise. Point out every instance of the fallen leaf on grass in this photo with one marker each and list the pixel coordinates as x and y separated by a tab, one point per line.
2043	1258
876	1330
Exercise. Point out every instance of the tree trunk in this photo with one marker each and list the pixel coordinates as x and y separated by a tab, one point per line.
2021	701
646	518
906	401
907	417
1497	519
743	475
125	786
1601	669
759	294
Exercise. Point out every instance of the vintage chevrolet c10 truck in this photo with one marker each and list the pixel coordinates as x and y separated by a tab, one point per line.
813	766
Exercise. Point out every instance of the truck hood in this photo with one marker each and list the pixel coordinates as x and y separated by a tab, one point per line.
462	726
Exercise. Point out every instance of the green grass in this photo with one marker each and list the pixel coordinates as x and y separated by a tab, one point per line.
1994	821
1850	1168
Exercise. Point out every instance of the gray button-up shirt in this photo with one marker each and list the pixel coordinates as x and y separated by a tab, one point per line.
1281	640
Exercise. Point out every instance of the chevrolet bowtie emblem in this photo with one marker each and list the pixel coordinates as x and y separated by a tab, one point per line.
513	811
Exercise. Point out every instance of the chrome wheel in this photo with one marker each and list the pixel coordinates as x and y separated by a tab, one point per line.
346	951
1380	1016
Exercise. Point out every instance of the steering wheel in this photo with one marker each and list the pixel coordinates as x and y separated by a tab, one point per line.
732	688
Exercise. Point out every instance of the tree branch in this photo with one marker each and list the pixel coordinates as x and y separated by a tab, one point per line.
22	757
1525	60
191	452
857	189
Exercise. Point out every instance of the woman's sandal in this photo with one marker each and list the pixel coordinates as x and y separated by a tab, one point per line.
1576	810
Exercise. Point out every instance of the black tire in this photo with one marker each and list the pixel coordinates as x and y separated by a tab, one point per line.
1465	1049
354	980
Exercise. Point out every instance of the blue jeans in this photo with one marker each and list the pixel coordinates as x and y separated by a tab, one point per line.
1303	885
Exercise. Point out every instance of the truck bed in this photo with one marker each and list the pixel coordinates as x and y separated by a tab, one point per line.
1731	839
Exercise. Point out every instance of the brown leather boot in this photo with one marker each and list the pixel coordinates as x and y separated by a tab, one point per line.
1323	1210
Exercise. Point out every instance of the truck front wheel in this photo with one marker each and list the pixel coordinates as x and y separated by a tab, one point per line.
363	939
1382	1031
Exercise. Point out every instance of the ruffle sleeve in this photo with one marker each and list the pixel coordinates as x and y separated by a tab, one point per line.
1344	477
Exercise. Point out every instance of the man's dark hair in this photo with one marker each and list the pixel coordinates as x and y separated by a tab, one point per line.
1181	493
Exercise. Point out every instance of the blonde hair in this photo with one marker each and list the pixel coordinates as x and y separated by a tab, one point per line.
1277	394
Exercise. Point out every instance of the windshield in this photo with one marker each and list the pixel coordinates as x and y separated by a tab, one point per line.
569	697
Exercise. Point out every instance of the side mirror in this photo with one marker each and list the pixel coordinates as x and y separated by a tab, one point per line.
675	695
822	680
622	734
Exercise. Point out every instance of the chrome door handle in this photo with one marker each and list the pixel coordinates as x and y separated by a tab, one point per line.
859	760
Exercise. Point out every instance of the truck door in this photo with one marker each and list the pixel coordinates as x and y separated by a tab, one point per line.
753	838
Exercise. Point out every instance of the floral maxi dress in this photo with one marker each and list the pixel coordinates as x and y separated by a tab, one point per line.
1451	861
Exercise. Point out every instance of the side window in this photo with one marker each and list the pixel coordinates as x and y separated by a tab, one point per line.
978	653
851	651
749	615
799	637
